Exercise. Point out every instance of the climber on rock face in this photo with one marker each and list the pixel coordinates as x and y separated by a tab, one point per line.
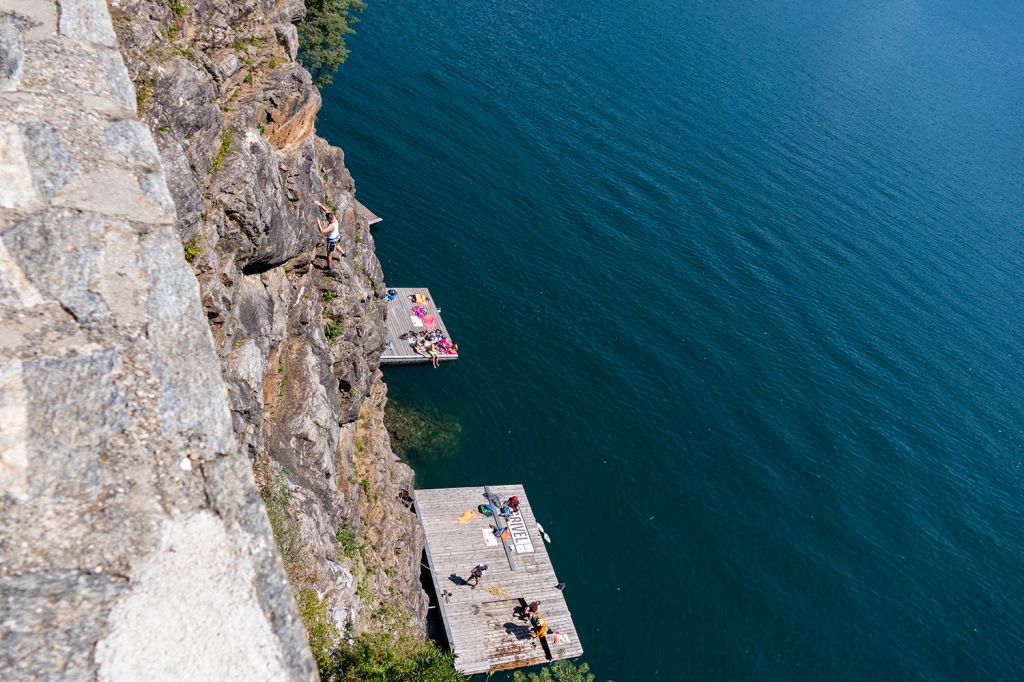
331	229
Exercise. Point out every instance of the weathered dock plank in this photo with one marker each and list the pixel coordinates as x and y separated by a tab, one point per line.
481	625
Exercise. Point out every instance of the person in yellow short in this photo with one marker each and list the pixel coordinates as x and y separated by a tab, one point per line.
540	626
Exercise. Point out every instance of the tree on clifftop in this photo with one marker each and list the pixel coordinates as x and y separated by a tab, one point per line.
322	36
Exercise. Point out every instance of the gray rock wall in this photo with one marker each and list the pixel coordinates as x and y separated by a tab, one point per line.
133	542
233	115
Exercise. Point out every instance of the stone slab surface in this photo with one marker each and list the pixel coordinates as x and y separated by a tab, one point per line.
134	544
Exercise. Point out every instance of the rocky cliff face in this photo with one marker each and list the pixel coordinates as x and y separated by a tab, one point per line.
133	543
233	115
139	392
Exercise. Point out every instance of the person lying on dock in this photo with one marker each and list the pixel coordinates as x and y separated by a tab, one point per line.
330	229
444	345
475	575
422	342
500	533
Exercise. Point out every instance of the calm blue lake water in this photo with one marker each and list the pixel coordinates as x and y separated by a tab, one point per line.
739	292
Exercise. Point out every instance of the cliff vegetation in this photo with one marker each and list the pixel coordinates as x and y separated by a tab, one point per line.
322	36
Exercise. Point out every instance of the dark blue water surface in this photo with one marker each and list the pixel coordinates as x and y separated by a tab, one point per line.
738	286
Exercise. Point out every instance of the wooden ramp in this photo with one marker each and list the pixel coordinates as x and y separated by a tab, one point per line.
399	321
366	214
481	623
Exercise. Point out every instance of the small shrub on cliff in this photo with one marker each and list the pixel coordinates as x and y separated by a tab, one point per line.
323	636
286	534
143	91
322	36
559	671
225	146
250	41
283	377
333	329
177	8
380	657
347	541
193	249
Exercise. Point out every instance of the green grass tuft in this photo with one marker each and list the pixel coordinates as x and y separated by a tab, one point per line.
193	249
226	137
250	41
282	371
333	329
143	91
286	533
190	55
348	542
323	635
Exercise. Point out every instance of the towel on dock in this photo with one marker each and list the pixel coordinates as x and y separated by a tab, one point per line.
489	539
420	298
416	322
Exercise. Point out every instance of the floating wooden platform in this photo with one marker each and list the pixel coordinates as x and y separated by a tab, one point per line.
399	321
371	217
481	623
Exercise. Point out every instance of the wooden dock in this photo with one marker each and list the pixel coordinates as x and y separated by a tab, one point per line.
482	623
366	214
399	321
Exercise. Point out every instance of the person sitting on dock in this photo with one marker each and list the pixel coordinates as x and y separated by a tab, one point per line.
420	347
540	626
331	229
435	355
513	504
475	575
532	610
